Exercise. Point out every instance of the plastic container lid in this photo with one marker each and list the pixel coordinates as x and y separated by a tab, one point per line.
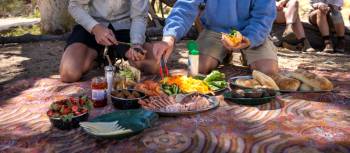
192	47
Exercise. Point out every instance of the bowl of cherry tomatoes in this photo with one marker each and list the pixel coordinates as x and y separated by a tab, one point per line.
66	114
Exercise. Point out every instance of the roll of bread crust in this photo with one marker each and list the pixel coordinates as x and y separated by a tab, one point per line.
305	87
286	83
313	80
249	83
227	39
265	80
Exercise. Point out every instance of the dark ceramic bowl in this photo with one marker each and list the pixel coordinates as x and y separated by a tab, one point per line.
74	123
122	103
253	93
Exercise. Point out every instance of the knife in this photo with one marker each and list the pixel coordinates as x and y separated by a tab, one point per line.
129	44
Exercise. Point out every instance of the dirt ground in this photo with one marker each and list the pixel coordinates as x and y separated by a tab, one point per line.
41	59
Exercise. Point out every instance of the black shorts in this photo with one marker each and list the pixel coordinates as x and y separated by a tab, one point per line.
80	35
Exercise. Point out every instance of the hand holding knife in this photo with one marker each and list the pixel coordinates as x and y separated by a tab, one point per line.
164	72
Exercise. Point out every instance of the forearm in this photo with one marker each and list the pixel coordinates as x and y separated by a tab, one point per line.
181	18
80	15
260	22
138	14
138	31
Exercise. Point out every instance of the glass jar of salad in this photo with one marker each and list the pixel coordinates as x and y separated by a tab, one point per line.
98	91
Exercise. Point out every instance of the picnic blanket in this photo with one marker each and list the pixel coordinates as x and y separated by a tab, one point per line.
292	123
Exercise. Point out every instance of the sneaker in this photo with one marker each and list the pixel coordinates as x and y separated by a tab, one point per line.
307	47
340	47
328	47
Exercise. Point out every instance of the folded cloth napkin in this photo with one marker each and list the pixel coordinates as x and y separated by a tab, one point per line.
104	128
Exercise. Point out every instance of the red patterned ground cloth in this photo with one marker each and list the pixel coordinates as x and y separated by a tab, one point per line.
293	123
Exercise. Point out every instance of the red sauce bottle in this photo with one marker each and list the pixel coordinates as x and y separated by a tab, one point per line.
98	91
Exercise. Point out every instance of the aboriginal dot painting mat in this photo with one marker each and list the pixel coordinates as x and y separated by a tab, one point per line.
310	123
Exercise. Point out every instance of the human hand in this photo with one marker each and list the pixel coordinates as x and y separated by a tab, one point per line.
281	4
136	53
324	8
243	45
163	48
103	35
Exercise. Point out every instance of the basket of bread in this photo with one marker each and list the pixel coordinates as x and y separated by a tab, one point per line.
299	80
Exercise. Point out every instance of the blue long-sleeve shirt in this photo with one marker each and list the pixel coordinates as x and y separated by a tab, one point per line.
253	18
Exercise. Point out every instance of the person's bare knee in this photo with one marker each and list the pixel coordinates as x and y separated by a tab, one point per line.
71	68
267	66
91	55
70	76
207	64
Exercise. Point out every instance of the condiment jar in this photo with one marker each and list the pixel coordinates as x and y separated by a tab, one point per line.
98	91
109	74
193	59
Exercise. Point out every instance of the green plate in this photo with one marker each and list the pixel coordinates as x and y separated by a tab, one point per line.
248	101
135	119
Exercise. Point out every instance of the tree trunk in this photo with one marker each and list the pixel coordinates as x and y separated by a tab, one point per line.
55	18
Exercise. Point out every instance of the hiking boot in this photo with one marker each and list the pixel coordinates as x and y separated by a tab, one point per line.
276	41
328	47
292	47
340	47
307	47
288	32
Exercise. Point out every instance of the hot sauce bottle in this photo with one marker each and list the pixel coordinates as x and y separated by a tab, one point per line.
193	58
98	91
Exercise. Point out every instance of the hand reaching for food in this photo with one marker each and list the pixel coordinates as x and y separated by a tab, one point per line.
235	41
136	53
163	48
103	35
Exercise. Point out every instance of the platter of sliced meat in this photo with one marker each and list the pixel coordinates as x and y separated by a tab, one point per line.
180	104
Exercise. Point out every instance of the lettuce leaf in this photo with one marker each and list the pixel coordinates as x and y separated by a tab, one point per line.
217	85
215	76
216	80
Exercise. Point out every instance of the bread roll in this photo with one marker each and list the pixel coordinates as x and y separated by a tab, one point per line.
286	83
233	40
305	87
311	79
265	80
226	38
249	83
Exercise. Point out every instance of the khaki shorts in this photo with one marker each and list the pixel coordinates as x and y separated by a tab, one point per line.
210	44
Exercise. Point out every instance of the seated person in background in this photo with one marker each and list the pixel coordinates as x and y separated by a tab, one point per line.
253	18
103	23
288	13
326	15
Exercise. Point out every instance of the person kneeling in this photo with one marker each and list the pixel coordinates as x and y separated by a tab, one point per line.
101	24
253	18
